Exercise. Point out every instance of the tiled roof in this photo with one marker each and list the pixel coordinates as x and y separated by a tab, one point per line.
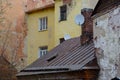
68	56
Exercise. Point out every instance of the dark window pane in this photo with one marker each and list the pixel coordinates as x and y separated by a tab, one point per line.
63	12
62	40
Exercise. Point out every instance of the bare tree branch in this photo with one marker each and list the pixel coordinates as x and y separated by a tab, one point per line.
10	43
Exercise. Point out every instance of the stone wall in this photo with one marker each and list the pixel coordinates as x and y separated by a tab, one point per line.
107	43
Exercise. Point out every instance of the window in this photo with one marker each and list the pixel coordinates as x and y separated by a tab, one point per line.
51	58
42	51
63	12
61	40
43	24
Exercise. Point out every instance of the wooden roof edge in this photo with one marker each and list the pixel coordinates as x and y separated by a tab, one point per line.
66	67
95	8
105	10
37	73
102	13
47	68
55	71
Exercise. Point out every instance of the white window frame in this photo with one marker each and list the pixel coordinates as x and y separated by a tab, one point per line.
42	24
42	52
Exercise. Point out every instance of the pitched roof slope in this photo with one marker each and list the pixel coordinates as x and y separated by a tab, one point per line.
35	5
104	5
67	56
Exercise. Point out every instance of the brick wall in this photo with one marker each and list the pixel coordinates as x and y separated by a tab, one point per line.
87	27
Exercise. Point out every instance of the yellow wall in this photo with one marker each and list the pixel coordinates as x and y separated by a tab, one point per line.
68	26
38	38
56	29
89	3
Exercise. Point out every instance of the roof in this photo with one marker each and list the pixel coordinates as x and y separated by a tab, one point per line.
68	56
105	5
32	6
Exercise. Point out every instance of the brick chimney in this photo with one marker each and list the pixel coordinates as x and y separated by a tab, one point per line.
67	1
87	27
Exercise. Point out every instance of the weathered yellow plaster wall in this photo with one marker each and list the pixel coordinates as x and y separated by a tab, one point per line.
68	26
38	38
56	29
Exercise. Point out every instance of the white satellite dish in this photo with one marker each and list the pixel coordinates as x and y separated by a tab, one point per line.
67	36
79	19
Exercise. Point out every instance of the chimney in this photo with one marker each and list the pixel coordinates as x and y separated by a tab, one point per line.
67	2
87	27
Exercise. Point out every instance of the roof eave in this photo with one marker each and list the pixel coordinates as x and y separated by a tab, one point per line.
38	73
39	8
50	72
102	12
96	14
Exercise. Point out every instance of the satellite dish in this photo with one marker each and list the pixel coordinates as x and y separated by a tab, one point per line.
67	36
79	19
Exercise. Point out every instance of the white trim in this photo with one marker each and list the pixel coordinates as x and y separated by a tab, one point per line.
41	52
42	24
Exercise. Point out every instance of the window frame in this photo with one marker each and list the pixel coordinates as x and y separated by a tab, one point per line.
42	51
43	23
63	12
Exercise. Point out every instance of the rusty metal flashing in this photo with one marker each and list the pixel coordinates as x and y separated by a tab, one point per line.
40	8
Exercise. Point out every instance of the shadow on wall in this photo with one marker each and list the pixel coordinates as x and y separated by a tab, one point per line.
115	78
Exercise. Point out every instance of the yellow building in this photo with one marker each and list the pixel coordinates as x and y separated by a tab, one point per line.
40	32
50	25
65	13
